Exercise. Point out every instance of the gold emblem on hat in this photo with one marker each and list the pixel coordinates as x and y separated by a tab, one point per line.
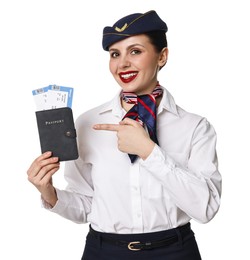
121	29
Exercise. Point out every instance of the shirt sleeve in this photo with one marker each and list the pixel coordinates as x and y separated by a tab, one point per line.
195	187
74	203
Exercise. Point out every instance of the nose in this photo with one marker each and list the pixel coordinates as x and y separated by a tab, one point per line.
124	62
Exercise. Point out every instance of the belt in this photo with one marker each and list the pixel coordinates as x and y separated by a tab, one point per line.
138	245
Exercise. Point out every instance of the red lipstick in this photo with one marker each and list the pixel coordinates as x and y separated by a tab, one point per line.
128	76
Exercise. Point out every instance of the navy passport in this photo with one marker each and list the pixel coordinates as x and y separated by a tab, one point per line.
57	133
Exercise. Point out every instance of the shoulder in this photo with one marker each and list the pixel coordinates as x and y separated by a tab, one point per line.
200	124
91	114
188	116
188	121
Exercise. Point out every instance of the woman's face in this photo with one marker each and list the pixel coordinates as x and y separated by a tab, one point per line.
134	63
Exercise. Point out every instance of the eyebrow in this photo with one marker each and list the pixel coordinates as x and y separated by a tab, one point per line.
129	47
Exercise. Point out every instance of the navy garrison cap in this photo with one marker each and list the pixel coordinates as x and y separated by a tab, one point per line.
130	25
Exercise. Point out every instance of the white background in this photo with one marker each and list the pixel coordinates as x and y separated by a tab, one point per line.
59	42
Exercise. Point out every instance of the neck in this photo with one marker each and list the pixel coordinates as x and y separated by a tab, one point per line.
128	99
126	106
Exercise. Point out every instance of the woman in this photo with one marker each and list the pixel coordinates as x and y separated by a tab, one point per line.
136	182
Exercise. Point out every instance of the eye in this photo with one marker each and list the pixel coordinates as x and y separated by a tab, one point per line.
135	52
114	54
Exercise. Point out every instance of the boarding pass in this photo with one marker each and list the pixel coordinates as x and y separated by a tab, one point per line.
53	96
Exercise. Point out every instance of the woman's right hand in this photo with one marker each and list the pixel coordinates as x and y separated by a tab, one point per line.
40	175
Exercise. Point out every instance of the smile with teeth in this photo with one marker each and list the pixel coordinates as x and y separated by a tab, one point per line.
128	76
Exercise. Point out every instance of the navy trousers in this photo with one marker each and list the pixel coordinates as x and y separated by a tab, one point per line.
184	248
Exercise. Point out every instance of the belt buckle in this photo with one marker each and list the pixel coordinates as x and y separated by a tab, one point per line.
131	244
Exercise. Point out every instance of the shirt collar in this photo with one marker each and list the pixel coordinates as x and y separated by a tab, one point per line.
114	105
168	103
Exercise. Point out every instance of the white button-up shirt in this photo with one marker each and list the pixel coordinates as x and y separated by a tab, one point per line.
178	181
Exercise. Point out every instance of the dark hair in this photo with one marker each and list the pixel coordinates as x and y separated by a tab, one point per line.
158	39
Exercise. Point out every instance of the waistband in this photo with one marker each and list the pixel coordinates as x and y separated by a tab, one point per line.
143	241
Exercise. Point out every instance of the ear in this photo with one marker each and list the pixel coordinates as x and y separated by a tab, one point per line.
163	57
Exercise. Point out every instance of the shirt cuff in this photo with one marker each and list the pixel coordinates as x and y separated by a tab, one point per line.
157	160
59	206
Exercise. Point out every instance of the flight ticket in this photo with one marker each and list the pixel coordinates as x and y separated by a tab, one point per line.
53	96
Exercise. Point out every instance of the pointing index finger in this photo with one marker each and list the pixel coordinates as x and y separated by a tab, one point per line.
107	127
